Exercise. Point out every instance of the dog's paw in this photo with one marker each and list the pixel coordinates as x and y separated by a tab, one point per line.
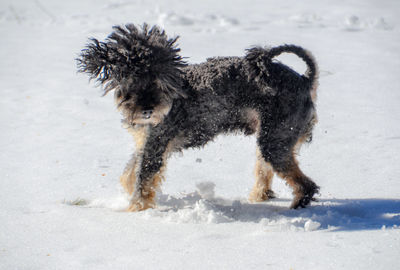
304	199
300	201
139	205
256	196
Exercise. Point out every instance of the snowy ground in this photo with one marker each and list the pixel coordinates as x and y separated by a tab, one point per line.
62	147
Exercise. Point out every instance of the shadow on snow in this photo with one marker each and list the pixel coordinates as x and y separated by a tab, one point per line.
332	214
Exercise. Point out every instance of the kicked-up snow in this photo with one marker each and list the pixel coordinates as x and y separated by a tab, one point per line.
62	147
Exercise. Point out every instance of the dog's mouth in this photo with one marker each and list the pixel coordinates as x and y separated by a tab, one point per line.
148	120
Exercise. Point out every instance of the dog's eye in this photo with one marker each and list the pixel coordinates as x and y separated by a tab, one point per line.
118	94
125	99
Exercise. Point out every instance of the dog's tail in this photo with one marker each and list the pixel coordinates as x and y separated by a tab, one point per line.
312	69
263	57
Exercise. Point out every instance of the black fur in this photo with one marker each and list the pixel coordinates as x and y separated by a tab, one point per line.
194	103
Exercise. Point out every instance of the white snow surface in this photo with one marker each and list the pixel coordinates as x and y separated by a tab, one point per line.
62	146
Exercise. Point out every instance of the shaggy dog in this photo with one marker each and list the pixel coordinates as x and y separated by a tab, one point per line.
169	106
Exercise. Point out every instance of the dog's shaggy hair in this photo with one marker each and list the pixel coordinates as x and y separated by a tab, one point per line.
169	106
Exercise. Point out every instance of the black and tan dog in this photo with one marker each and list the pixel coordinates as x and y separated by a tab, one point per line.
169	106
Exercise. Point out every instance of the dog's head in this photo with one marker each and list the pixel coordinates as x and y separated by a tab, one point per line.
143	68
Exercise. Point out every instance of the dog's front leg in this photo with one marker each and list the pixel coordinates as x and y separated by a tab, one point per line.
151	171
128	178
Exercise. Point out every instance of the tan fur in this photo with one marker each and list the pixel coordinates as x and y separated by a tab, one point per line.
140	136
264	174
295	178
295	173
252	118
263	171
128	178
292	176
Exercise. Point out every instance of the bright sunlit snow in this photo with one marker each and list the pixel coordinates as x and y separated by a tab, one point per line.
62	147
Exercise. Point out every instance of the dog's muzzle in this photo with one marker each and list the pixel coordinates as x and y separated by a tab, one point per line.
146	114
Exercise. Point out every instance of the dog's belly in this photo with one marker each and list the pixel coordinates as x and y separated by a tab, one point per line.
205	128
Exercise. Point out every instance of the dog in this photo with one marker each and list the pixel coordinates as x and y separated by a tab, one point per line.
169	105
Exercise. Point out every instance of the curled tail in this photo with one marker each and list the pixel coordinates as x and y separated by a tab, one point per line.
306	56
259	58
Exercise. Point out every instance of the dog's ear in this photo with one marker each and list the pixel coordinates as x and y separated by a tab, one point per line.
132	54
96	60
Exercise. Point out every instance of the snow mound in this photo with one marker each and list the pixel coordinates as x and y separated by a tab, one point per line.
290	224
355	23
305	20
206	190
202	211
204	22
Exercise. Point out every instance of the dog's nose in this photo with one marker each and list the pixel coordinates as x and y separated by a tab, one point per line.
146	114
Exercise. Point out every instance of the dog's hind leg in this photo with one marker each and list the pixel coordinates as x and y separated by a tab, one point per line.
281	156
303	187
264	173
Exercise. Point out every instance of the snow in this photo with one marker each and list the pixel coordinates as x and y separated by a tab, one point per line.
63	147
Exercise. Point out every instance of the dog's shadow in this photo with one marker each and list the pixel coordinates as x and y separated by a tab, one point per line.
331	214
